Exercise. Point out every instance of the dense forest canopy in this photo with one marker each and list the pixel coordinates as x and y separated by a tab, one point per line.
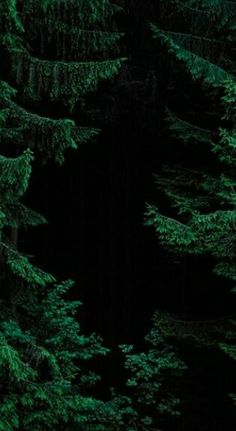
118	145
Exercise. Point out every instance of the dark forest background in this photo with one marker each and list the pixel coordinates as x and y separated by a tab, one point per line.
96	234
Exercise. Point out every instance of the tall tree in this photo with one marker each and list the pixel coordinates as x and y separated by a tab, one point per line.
42	351
200	116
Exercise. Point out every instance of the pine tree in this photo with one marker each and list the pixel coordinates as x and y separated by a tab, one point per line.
44	375
201	187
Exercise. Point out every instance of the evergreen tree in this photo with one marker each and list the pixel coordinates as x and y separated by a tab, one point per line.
55	53
65	74
43	354
201	187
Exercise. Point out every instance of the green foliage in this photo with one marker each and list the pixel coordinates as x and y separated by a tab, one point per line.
200	14
9	17
172	233
22	268
76	29
43	382
200	69
45	373
14	175
89	12
226	147
23	131
6	90
71	43
152	382
210	234
201	188
205	200
199	332
187	132
18	215
45	376
67	82
48	137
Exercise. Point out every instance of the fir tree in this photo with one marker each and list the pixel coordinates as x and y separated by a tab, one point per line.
205	202
55	53
64	77
202	195
44	374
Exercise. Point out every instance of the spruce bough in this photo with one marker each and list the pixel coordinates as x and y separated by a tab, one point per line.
44	374
201	186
